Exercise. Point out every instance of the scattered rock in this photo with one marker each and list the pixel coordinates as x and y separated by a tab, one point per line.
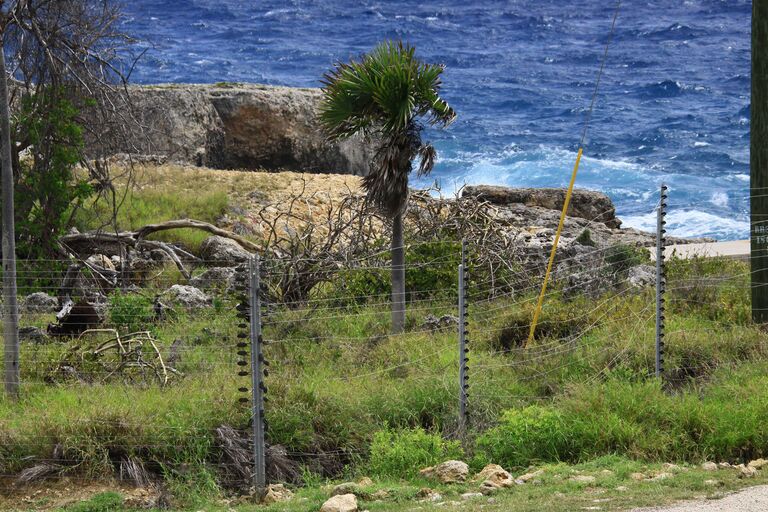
583	479
641	276
672	467
349	488
434	323
530	476
713	483
187	296
100	261
661	476
448	472
381	494
607	473
747	472
494	477
223	251
276	493
622	488
709	466
757	463
724	465
471	495
365	482
216	278
427	494
638	476
40	302
585	204
340	503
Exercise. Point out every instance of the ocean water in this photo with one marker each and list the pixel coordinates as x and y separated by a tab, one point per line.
673	104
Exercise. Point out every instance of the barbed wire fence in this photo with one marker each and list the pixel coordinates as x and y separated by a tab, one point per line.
203	345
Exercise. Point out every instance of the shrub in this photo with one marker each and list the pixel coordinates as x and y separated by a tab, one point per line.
430	271
620	258
130	311
585	238
401	454
534	433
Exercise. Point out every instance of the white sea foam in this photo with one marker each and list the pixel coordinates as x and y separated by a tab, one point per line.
719	199
690	223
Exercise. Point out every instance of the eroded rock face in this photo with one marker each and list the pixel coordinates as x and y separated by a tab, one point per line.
585	204
239	126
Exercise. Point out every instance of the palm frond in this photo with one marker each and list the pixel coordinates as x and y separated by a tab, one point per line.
386	92
427	154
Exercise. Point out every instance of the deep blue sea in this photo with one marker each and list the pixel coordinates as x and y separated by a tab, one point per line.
673	104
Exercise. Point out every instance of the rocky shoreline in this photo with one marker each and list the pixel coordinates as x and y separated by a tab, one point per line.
252	127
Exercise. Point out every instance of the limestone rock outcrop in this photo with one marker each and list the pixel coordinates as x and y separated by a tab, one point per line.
585	204
237	126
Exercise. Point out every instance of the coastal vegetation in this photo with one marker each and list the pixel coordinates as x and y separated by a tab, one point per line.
347	399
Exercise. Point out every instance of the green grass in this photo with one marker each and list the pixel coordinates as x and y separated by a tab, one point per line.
158	201
346	395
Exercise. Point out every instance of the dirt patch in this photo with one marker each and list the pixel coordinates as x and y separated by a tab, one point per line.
64	492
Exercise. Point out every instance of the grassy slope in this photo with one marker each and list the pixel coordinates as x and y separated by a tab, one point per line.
222	197
337	378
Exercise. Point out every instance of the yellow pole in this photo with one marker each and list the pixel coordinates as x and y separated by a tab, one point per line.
554	249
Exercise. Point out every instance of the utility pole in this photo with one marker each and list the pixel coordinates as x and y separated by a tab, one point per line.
758	162
10	305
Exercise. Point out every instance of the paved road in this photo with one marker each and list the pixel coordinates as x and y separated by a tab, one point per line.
734	249
752	499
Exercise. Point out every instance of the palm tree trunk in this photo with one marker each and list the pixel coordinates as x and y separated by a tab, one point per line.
398	275
11	308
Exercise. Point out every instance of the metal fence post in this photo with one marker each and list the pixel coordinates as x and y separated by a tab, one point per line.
257	385
463	350
661	280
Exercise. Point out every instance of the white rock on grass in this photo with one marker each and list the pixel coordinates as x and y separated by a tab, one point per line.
709	466
757	463
448	472
747	472
40	302
276	493
471	495
187	296
340	503
530	476
493	478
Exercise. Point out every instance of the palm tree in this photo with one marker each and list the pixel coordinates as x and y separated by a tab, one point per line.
384	96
